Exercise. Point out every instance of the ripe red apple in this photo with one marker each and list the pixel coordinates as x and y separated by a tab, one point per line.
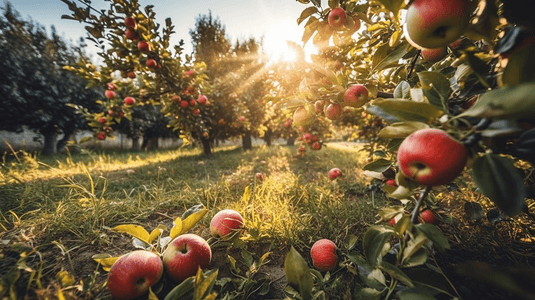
333	111
259	176
288	123
129	100
314	138
307	137
131	34
302	116
431	157
112	87
356	95
151	63
130	22
102	120
202	99
184	103
323	254
391	182
196	112
133	274
101	136
185	255
109	94
189	72
428	216
131	74
337	18
436	23
335	173
434	55
302	149
241	118
176	98
143	46
192	102
225	223
315	146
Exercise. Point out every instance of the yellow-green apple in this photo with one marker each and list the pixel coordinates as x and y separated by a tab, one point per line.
323	254
436	23
196	112
151	63
431	157
333	111
101	136
109	94
356	95
434	55
133	274
225	224
129	100
143	46
184	103
334	173
302	116
315	146
185	255
130	22
131	34
337	18
202	99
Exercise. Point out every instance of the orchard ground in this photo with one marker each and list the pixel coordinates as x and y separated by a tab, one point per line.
59	210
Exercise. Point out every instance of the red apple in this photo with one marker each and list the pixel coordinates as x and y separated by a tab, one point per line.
323	254
356	95
131	34
333	111
225	224
109	94
143	46
315	146
314	138
189	73
151	63
185	255
434	55
391	182
428	216
130	22
111	112
196	112
133	274
129	100
192	102
337	18
131	74
259	176
288	123
202	99
241	118
112	87
101	136
431	157
176	98
436	23
184	103
335	173
307	137
102	120
302	116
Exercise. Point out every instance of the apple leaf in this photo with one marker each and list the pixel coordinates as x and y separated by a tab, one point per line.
404	110
177	228
520	67
298	273
401	129
105	260
379	165
434	235
403	90
414	244
371	276
350	242
387	213
393	5
156	233
368	293
204	285
133	230
436	88
310	28
374	241
389	59
396	273
500	180
192	219
417	259
525	146
307	12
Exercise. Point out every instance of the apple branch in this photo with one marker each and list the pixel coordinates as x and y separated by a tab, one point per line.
413	63
414	217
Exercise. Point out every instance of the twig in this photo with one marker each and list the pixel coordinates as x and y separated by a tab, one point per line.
413	63
414	217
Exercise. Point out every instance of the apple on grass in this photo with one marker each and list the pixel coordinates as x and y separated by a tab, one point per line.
436	23
323	254
337	18
133	274
431	157
185	255
225	224
334	173
356	95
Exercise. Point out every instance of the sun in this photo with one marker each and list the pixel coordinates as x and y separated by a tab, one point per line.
276	45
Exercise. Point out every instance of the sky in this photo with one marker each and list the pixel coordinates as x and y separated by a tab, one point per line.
275	20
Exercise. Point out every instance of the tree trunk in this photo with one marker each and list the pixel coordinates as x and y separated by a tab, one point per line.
290	141
152	144
67	134
50	142
267	137
206	147
135	143
246	140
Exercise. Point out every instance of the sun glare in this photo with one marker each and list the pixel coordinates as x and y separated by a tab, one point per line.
275	43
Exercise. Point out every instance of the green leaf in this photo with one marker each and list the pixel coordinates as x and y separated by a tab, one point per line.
434	235
397	110
367	293
379	165
298	273
350	241
395	272
334	3
417	259
511	102
401	129
387	60
500	180
307	12
416	294
133	230
182	289
403	90
520	67
480	68
436	88
374	241
392	5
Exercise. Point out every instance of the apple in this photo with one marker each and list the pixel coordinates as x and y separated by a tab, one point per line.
288	123
143	46
318	106
196	112
225	224
307	137
205	134
151	63
434	55
315	146
323	254
101	136
241	118
337	18
185	255
102	120
333	111
131	34
356	95
130	22
192	102
133	274
457	43
189	73
129	100
335	173
202	99
259	176
222	122
431	157
436	23
112	87
302	149
111	112
176	98
302	116
131	74
391	182
109	94
314	138
428	216
184	103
